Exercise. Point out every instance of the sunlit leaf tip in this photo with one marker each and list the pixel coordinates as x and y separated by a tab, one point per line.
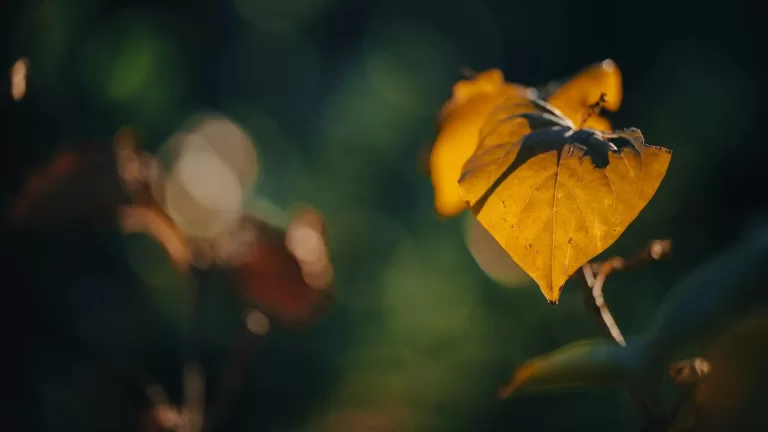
518	378
575	95
588	363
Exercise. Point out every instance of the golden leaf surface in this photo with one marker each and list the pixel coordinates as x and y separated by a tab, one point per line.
574	97
473	100
460	120
555	211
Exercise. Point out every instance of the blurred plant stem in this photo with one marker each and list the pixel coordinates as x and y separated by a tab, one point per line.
592	278
233	377
200	418
193	403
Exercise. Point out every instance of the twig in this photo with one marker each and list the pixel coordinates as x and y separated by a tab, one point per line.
467	72
593	109
597	307
190	415
256	325
194	397
655	250
593	277
687	375
164	414
193	403
597	299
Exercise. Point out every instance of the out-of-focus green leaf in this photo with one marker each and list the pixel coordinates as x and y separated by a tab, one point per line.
733	395
709	293
588	363
692	308
167	290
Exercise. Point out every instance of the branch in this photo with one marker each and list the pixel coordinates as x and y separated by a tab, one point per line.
194	397
592	287
256	326
189	416
687	375
655	250
163	414
593	277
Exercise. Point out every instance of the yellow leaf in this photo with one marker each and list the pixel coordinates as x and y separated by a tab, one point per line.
460	121
574	96
473	100
491	257
546	202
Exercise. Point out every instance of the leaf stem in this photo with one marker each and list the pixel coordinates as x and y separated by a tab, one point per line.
598	301
594	109
593	277
255	326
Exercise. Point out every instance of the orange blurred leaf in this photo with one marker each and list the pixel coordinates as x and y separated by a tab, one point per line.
287	273
86	183
77	185
155	223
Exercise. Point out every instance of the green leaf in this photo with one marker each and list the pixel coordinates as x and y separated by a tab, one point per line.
166	289
588	363
692	308
712	291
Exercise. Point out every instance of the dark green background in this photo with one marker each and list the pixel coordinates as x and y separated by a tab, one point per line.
340	96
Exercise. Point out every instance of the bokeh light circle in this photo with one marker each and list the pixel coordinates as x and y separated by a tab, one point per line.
202	175
491	257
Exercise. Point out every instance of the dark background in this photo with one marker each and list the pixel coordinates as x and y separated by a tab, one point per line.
339	97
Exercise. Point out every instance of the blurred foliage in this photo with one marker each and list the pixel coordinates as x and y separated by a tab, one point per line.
338	98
